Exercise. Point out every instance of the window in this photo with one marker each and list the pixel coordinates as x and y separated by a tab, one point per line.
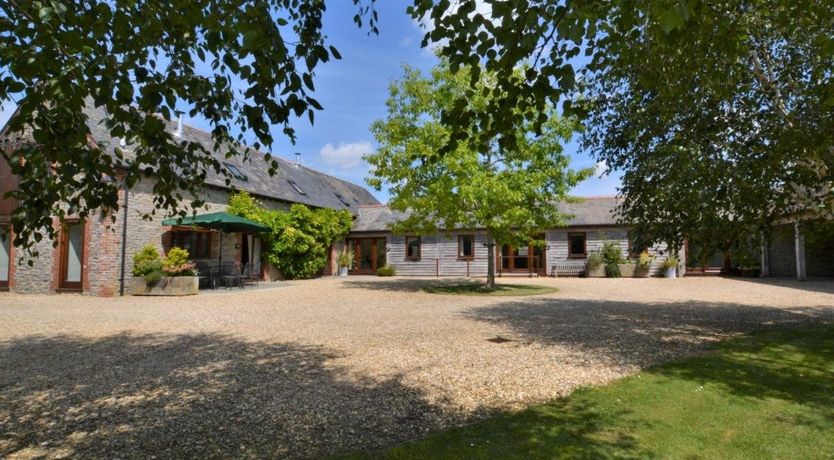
576	245
198	244
636	244
297	187
5	255
235	171
466	246
412	248
342	199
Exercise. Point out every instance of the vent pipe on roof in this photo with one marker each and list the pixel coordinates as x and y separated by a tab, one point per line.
178	132
297	159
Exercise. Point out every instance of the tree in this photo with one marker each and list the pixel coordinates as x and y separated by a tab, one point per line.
243	65
716	112
511	193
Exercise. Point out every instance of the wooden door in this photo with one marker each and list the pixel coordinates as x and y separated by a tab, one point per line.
368	255
72	256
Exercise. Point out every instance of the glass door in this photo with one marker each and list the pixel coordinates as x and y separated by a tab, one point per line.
5	255
72	256
369	255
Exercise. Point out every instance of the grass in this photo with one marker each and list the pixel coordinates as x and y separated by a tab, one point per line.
499	290
765	395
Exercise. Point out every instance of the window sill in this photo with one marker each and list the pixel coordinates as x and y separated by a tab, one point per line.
466	258
582	256
412	259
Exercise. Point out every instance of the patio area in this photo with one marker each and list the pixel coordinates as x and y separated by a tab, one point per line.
334	365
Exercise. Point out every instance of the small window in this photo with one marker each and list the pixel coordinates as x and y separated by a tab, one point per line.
297	187
342	199
412	247
466	246
636	244
576	245
235	171
198	244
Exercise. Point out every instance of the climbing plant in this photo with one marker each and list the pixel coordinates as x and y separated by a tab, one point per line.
298	240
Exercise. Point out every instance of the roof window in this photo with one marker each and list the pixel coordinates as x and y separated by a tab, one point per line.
342	199
235	171
296	187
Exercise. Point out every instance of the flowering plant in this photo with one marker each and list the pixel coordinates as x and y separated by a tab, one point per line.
186	269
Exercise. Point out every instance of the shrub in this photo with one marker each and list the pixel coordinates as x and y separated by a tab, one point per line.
612	270
644	260
176	263
146	260
593	261
153	278
386	271
612	253
671	262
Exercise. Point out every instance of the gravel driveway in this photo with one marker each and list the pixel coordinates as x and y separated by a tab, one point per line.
334	365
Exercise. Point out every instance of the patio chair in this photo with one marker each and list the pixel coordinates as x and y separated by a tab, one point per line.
252	274
205	272
230	274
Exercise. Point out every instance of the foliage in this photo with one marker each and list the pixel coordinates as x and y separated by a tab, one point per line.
298	242
612	270
751	381
346	258
153	278
387	270
176	263
243	65
644	260
720	114
612	253
146	260
510	192
594	260
671	262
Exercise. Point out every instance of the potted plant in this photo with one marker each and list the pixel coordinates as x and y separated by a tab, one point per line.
615	264
643	266
670	267
594	266
174	275
386	271
345	260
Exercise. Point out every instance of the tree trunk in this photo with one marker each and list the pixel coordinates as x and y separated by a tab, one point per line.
490	263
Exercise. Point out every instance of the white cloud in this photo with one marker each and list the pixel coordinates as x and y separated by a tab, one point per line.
600	168
345	156
426	24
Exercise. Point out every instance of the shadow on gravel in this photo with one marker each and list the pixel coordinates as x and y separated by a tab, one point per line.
821	285
193	396
642	334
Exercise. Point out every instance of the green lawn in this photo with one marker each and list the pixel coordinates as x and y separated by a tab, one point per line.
766	395
480	289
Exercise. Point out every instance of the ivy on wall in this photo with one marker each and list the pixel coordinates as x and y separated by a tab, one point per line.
298	241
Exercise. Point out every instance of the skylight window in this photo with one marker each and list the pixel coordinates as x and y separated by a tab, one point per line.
342	199
235	172
296	187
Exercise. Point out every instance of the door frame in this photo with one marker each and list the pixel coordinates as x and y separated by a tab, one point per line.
63	255
531	260
355	244
4	284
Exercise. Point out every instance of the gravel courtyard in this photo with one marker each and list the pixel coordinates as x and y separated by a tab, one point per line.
328	366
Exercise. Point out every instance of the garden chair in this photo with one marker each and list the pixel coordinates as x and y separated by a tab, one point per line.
230	274
252	274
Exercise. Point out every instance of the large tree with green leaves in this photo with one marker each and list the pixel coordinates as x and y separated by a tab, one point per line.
720	113
511	193
243	65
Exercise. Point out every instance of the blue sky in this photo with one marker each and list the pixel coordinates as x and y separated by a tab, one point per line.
353	92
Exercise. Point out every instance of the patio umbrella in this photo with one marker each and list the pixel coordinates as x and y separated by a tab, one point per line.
222	221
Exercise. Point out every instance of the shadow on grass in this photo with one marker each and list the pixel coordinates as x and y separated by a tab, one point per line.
193	396
412	284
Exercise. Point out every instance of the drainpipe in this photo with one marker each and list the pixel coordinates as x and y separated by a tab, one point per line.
124	244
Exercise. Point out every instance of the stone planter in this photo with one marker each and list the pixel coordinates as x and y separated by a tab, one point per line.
641	272
343	271
671	272
627	270
598	272
169	286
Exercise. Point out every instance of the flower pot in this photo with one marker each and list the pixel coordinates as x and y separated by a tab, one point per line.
598	272
168	286
627	270
671	272
343	271
641	272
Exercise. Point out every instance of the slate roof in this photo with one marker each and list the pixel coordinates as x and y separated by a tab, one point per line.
320	189
591	211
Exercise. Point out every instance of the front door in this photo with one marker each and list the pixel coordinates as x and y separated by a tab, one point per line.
524	259
72	256
369	255
5	255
